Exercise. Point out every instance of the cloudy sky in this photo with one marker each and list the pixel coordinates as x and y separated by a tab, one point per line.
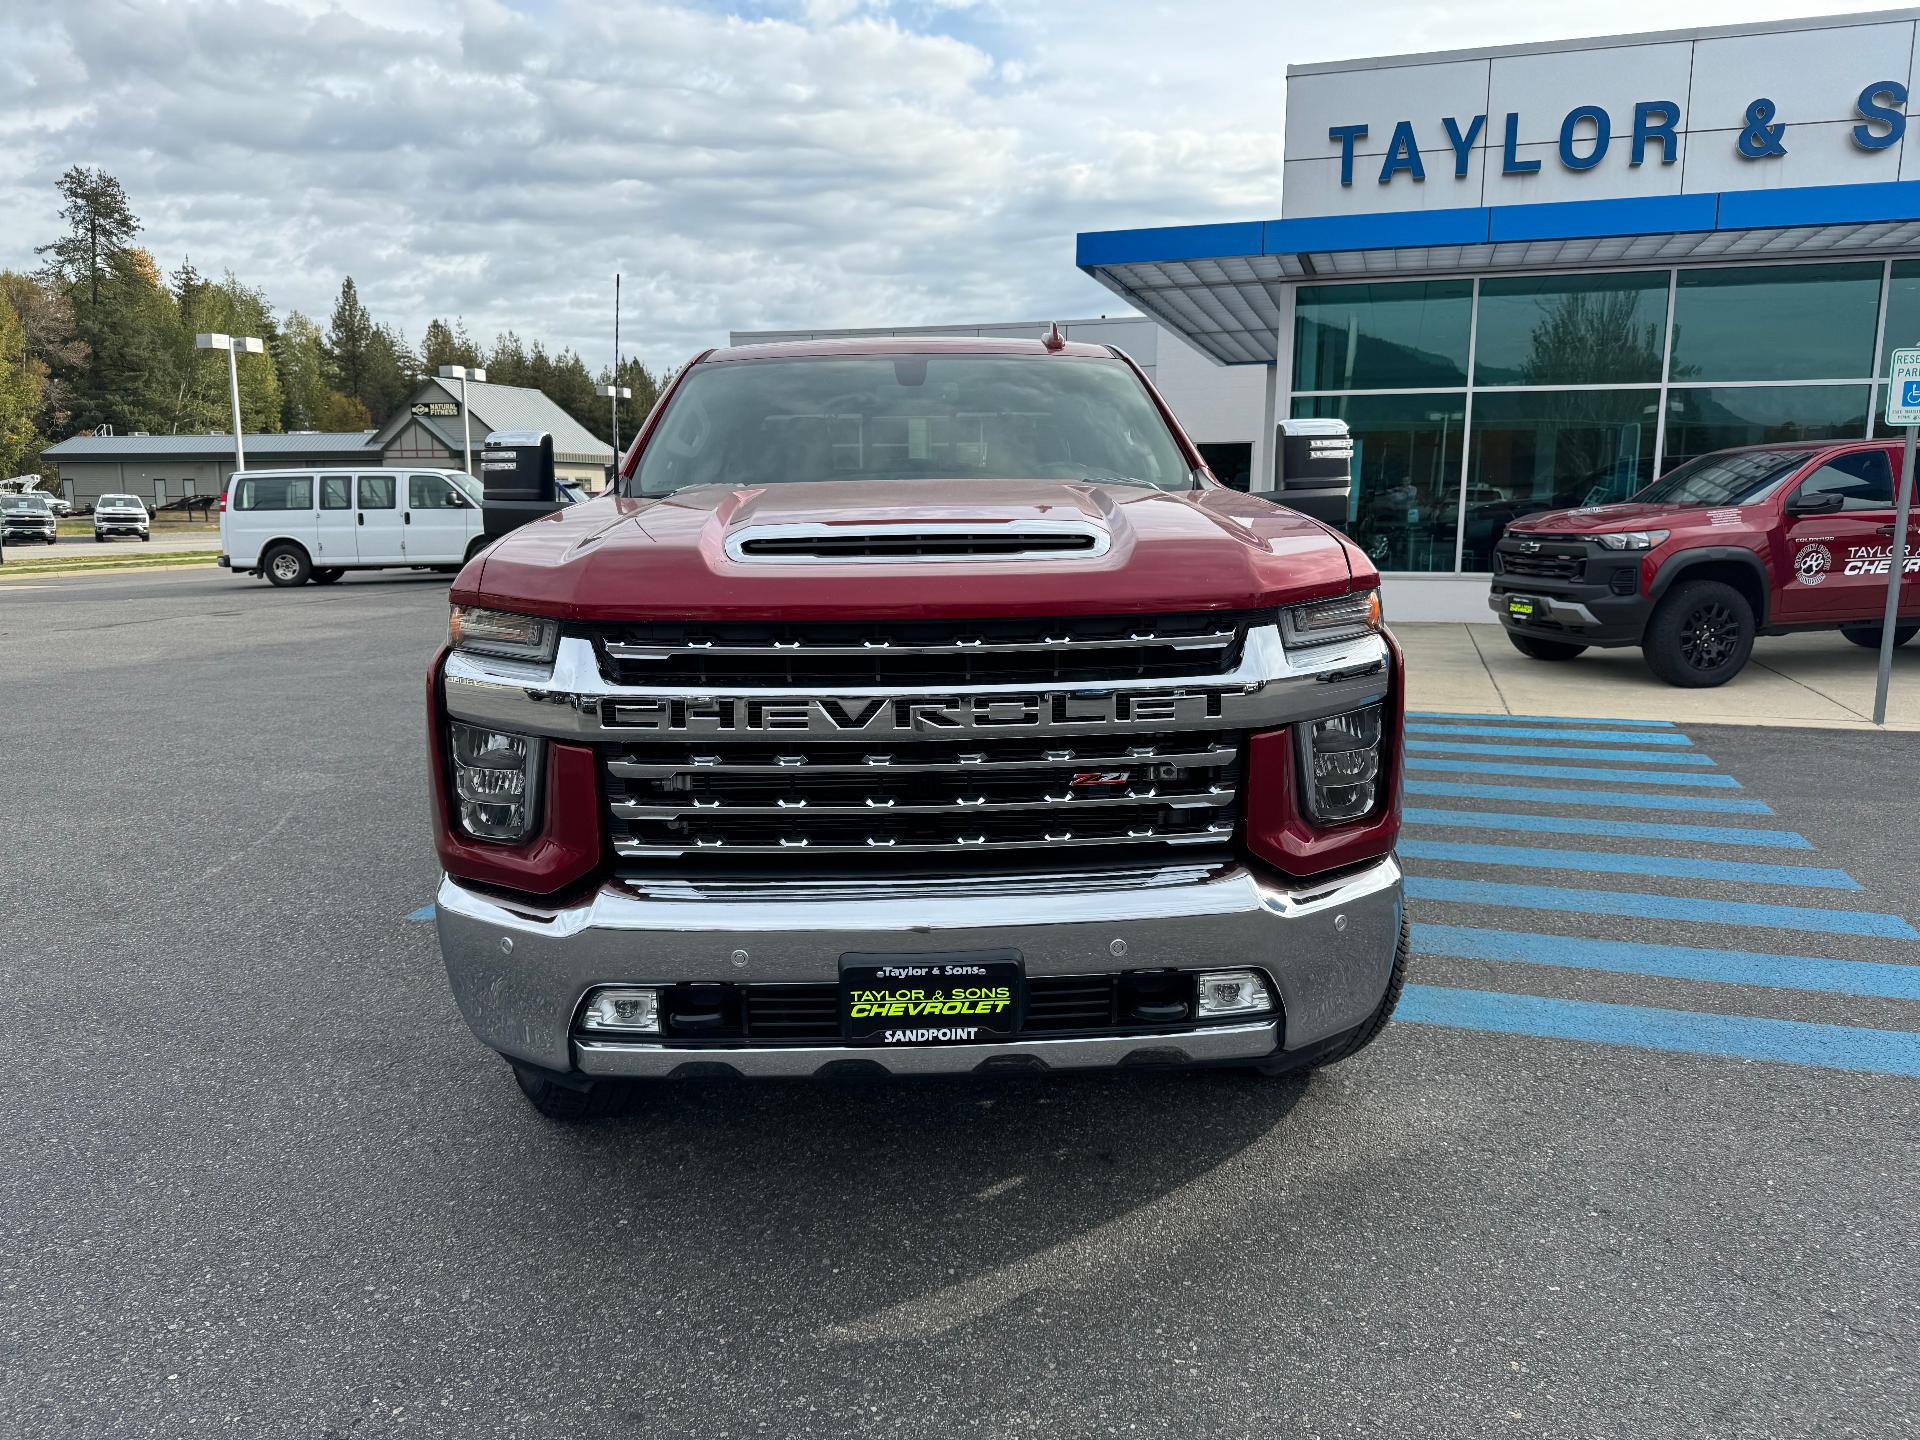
814	163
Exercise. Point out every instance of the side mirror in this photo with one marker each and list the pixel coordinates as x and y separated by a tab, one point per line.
1818	502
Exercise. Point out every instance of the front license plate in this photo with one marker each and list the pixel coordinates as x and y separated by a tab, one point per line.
1519	607
945	999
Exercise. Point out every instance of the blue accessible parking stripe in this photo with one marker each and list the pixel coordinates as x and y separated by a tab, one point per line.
425	912
1625	737
1673	962
1537	719
1609	862
1577	772
1660	907
1617	829
1791	1042
1615	799
1564	752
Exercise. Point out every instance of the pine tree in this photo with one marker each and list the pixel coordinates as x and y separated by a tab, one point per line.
349	336
100	227
186	283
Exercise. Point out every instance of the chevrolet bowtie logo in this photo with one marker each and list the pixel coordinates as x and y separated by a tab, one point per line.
1530	546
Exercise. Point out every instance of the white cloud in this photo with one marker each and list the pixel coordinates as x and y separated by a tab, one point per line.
810	162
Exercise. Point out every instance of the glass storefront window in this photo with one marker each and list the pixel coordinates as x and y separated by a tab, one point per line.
1704	418
1903	312
1539	450
1775	322
1404	336
1405	506
1571	329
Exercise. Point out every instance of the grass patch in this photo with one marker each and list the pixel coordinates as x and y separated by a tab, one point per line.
144	560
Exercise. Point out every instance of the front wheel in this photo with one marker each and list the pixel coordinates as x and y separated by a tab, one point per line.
1544	649
98	538
287	565
1700	636
1867	637
146	535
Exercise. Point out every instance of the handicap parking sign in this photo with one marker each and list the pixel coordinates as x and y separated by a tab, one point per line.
1903	388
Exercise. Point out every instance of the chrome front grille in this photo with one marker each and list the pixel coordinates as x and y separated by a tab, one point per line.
838	762
840	799
921	652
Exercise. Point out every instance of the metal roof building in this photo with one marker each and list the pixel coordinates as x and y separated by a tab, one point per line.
425	432
429	430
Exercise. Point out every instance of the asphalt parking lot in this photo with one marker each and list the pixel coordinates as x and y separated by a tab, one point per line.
1636	1161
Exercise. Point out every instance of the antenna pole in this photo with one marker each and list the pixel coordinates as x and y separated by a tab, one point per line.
616	368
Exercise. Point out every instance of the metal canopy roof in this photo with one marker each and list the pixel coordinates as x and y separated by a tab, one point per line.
1218	286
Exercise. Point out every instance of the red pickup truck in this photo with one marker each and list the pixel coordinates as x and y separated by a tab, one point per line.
916	706
1729	546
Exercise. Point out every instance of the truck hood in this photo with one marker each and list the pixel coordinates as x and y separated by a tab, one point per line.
1632	515
621	558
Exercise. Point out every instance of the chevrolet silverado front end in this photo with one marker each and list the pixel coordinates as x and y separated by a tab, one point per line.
916	707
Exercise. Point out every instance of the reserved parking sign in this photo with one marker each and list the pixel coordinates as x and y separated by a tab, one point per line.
1903	388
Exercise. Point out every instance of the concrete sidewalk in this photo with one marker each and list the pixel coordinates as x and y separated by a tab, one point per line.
1815	679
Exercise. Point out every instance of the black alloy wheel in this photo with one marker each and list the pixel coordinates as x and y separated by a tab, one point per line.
1700	635
1709	636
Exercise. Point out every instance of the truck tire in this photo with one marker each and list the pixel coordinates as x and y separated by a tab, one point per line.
1544	649
1867	637
567	1103
286	564
1700	635
476	545
327	574
1348	1043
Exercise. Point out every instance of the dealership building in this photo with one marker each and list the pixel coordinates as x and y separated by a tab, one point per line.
1537	276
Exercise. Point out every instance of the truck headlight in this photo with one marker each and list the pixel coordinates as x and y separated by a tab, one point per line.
1631	539
1340	757
495	781
1325	622
498	632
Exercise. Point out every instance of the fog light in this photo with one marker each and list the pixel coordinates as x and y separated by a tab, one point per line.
625	1010
1231	992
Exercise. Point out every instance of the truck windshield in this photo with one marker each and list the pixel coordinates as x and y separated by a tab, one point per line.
744	423
1738	479
23	504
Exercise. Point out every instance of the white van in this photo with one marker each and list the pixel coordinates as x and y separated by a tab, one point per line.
298	525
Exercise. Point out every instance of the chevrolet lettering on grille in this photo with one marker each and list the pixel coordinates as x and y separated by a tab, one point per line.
920	715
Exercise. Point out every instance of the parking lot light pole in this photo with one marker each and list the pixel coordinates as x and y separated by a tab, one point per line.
615	394
464	373
235	346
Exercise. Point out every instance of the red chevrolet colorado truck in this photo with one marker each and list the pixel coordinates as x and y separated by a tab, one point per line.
1728	546
916	707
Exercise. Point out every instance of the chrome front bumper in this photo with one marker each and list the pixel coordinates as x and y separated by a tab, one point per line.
519	971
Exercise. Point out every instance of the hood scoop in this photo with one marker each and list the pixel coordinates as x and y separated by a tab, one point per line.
817	544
